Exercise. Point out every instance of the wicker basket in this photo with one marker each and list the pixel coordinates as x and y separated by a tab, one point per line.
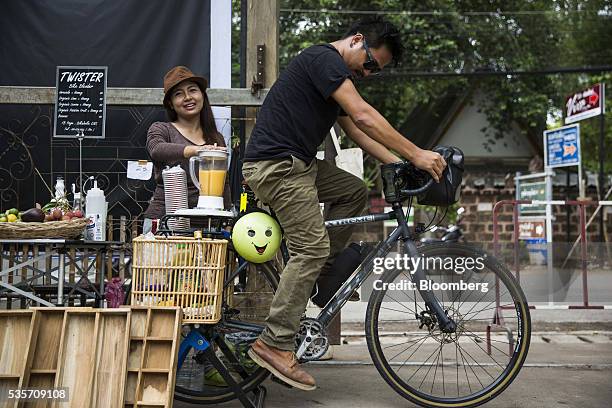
52	229
180	271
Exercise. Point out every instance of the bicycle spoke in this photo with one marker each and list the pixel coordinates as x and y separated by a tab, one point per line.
406	349
470	367
478	301
484	310
395	310
436	369
457	364
443	386
406	342
478	364
399	303
467	377
410	356
421	366
503	352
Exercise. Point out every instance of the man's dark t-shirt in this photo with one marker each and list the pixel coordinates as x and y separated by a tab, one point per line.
299	111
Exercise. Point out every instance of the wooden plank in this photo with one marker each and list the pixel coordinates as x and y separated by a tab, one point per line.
158	355
25	251
71	270
98	269
130	387
15	331
84	265
138	390
162	322
41	382
76	360
110	225
11	263
36	263
32	95
122	238
47	340
174	355
48	260
154	390
111	360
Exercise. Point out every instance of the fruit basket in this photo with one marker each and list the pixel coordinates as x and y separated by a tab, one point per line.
32	230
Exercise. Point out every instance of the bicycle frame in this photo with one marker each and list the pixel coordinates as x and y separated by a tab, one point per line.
404	233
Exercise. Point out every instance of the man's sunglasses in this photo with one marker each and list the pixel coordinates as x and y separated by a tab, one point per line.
370	64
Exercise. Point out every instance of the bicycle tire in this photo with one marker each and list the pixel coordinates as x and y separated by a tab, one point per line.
217	395
472	399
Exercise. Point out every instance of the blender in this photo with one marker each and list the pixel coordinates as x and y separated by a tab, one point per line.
208	171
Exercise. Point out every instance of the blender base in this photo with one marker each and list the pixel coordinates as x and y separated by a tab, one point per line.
204	212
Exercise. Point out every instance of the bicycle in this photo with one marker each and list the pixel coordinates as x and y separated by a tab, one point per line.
432	314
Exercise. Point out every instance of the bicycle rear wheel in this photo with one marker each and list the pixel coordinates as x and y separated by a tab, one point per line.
197	382
462	369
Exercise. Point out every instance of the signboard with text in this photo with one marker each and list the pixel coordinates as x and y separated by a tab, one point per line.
562	146
532	191
585	104
532	229
80	102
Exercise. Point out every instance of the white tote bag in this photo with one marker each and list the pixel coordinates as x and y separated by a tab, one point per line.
350	160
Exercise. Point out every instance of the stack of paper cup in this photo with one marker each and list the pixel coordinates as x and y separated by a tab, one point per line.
175	189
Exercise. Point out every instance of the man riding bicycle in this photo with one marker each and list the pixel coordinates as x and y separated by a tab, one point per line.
310	95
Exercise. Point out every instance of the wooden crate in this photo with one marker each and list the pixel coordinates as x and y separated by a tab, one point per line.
153	356
106	358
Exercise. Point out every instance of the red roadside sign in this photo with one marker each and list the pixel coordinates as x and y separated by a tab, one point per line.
585	104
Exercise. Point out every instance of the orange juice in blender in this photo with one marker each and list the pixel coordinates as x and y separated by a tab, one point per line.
209	178
212	182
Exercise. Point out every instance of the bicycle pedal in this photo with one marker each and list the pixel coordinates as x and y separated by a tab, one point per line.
281	382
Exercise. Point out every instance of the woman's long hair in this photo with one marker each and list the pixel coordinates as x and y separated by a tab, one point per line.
207	120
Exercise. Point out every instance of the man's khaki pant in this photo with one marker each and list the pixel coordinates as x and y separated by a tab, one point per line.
293	189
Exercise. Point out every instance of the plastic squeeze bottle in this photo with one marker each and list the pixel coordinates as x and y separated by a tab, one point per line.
95	210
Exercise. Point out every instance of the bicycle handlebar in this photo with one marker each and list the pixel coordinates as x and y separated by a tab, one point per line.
420	190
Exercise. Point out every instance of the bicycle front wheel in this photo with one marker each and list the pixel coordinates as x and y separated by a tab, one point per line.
462	369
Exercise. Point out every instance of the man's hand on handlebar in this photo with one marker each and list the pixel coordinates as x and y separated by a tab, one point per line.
431	162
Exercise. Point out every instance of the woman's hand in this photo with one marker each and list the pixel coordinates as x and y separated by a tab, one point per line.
190	151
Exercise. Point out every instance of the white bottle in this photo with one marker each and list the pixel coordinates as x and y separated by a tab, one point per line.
60	189
95	210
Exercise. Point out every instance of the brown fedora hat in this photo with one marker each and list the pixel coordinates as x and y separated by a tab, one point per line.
179	74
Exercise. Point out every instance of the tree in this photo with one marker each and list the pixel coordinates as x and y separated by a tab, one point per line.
467	36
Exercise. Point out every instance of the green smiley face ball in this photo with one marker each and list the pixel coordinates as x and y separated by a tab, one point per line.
256	237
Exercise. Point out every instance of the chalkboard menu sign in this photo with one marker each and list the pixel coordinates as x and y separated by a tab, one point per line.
80	108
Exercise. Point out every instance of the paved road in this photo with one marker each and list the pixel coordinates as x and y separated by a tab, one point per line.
562	370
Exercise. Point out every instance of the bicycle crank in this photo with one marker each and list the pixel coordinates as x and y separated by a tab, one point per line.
311	340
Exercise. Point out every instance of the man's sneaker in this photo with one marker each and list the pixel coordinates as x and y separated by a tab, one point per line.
283	364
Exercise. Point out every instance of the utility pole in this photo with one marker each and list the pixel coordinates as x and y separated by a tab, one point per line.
260	17
261	64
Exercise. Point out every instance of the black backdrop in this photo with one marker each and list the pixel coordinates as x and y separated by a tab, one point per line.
138	41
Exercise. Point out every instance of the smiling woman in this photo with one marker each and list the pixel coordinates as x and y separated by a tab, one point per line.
172	143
